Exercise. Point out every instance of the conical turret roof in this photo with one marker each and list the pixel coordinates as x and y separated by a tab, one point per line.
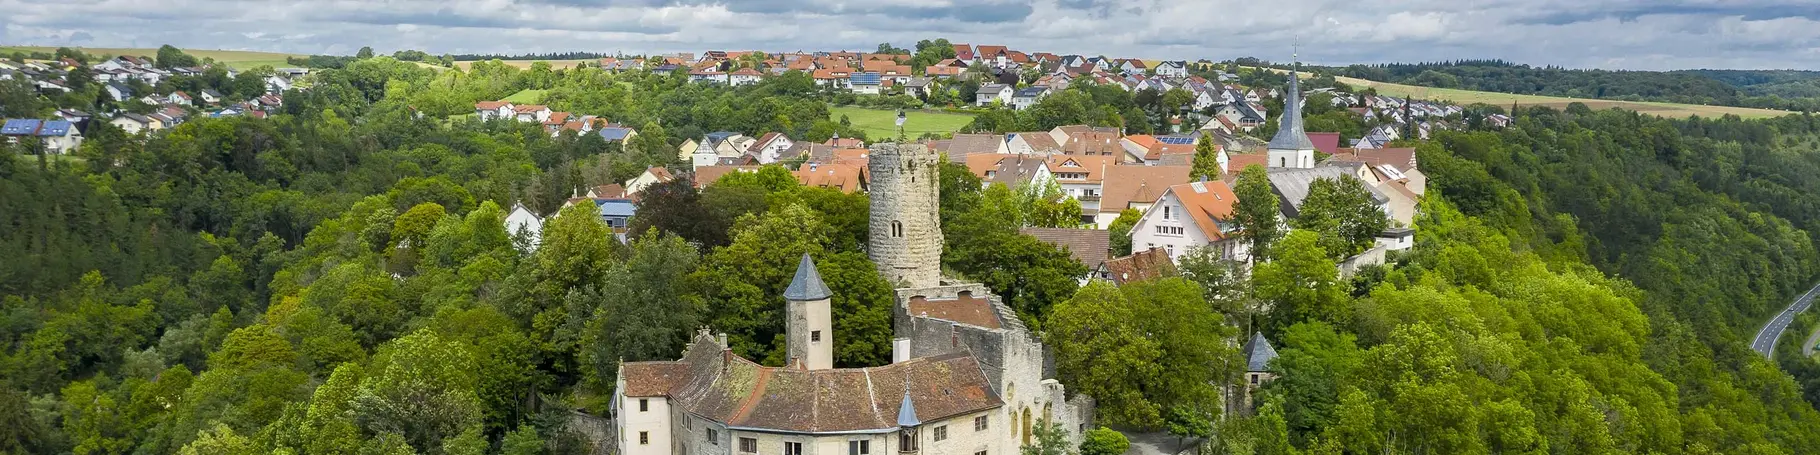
906	413
808	283
1289	129
1258	353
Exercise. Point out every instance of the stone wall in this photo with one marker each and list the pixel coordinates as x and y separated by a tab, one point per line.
598	431
906	232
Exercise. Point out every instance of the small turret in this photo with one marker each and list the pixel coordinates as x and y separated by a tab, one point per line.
808	320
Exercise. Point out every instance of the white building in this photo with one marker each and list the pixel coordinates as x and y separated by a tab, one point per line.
1291	147
522	222
1188	216
990	93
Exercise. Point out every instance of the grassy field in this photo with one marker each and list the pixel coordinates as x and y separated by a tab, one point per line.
881	124
522	64
236	59
1505	99
526	96
1557	102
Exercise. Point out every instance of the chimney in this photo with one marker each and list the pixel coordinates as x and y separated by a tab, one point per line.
900	350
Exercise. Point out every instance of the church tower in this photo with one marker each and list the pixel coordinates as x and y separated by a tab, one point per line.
808	319
1291	147
906	224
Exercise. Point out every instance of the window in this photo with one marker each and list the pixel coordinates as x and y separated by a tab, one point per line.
1169	230
748	445
861	447
1254	379
793	448
897	229
906	441
644	404
941	433
644	438
982	452
815	336
979	423
713	437
1167	213
1171	250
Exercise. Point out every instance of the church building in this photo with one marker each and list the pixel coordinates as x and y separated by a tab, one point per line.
966	377
1291	148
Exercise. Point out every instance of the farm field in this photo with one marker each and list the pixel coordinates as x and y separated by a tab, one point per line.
526	96
1505	99
881	124
1557	102
522	64
236	59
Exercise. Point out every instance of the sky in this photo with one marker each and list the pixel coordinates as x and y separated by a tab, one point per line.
1609	34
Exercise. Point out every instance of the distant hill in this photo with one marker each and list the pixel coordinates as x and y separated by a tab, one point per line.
236	59
1784	90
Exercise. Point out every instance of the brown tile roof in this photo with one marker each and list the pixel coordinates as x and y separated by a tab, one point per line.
1402	158
968	144
1207	203
662	174
1127	184
845	177
490	105
1237	162
1140	266
529	108
609	191
964	309
762	141
846	142
1040	141
1143	140
710	383
1328	143
1090	247
557	118
1093	166
1094	143
652	379
1010	170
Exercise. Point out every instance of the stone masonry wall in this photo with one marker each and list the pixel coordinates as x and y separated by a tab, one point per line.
906	232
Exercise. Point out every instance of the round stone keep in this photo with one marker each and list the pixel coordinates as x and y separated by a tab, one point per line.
906	229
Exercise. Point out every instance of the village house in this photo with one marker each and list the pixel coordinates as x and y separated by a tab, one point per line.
135	123
1025	97
964	145
1172	68
1089	247
768	148
651	176
1081	178
1189	216
524	224
1134	187
56	136
1034	142
993	93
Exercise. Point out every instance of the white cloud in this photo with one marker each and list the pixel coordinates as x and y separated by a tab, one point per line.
1637	34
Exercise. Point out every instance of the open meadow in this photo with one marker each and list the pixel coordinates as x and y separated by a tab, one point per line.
881	124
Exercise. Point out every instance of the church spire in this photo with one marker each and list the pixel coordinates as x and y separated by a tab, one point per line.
1289	129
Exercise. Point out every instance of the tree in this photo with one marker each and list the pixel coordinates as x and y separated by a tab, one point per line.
365	52
644	310
171	57
1342	211
1185	423
1142	349
1104	441
1206	164
1120	231
422	390
1302	284
1256	212
1049	439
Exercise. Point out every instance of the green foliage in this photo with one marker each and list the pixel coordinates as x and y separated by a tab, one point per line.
1206	164
1103	441
1302	284
1142	350
422	389
1120	231
1048	438
1343	213
1256	212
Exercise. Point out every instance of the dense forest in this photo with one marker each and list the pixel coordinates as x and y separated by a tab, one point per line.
338	279
1788	90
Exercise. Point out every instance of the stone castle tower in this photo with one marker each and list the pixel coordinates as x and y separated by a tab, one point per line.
906	225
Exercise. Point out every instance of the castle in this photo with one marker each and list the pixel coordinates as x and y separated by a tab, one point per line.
966	377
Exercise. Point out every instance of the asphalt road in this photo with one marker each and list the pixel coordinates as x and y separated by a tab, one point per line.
1765	343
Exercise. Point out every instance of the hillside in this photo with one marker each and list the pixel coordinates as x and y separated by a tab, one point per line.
236	59
1672	110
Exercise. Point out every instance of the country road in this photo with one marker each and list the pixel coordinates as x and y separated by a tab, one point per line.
1765	343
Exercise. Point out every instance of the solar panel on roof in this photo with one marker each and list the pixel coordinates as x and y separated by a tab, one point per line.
1176	140
54	128
20	127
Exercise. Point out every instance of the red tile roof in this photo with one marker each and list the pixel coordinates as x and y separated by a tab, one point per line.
1128	184
1328	143
964	309
1206	202
1140	266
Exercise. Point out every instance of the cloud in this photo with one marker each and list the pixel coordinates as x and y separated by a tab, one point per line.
1627	34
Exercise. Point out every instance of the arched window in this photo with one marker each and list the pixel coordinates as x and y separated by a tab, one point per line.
897	229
